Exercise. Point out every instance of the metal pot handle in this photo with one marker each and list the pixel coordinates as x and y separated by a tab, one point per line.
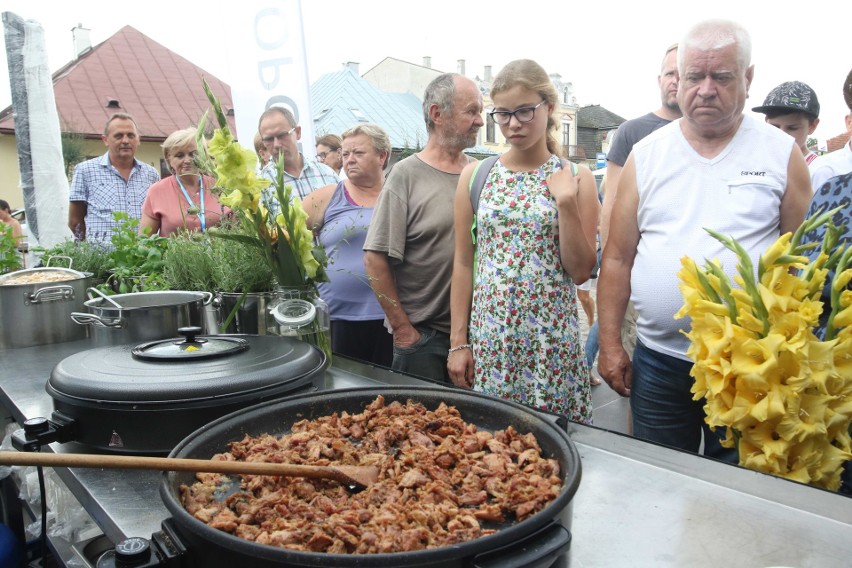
68	258
209	298
92	292
82	318
49	294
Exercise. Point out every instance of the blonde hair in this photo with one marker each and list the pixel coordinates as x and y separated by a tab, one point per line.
258	143
377	135
178	139
528	74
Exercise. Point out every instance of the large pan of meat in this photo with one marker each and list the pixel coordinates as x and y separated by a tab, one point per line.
464	480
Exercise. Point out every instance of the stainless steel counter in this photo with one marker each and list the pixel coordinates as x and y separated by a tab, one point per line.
638	504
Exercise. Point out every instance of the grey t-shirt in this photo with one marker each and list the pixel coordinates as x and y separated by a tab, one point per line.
631	132
413	224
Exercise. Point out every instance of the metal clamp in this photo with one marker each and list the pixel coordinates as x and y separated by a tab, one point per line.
38	432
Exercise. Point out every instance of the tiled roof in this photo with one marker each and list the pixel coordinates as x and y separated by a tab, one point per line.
837	142
342	99
597	117
159	88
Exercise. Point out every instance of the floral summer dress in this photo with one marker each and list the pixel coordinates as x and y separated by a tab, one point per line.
524	328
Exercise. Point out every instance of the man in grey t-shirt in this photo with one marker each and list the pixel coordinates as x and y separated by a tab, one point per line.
408	253
632	131
628	134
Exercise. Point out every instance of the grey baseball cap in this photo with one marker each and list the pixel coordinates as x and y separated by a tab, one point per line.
791	96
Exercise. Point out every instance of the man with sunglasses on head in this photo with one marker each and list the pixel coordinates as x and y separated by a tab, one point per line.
280	134
408	253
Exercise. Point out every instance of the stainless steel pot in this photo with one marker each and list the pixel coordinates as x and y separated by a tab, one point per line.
39	313
141	316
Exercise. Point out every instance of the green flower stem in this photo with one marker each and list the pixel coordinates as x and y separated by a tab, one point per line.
724	289
233	313
842	264
745	268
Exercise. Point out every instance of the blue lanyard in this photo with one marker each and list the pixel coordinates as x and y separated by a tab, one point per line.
200	215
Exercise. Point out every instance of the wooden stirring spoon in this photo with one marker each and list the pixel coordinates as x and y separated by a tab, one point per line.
361	476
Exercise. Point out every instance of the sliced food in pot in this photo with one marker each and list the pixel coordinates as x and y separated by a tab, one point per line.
442	482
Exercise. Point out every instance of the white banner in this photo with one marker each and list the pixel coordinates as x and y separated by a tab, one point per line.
268	65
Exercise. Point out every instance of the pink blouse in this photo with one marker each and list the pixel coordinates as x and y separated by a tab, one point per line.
166	203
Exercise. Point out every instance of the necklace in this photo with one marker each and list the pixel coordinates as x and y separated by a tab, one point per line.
193	209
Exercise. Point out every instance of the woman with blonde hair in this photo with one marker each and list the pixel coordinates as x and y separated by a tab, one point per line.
515	333
185	199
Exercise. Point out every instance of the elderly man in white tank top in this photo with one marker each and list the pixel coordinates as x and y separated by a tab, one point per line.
715	168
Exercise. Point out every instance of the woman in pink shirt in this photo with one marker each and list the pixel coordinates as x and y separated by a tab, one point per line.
183	200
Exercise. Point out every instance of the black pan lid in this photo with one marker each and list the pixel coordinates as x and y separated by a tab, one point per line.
192	347
114	375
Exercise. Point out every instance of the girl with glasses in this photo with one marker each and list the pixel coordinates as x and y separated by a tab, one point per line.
515	331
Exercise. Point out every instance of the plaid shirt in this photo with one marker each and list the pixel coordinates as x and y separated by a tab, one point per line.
99	184
314	176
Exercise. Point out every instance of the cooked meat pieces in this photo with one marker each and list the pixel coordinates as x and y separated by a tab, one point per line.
442	482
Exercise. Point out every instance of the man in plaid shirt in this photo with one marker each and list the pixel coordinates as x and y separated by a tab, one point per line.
280	134
116	181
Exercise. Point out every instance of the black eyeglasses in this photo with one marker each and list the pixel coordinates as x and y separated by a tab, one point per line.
524	114
281	136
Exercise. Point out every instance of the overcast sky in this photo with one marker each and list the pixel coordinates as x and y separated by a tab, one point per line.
609	50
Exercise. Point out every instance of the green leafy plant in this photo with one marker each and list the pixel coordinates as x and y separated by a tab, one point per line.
73	149
206	261
187	264
10	260
85	256
136	260
237	266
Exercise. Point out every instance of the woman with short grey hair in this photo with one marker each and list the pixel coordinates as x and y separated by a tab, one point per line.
340	216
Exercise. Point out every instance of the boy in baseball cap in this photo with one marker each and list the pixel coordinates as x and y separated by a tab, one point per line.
793	107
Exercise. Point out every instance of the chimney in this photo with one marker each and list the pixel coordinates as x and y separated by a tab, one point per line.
487	74
82	40
461	67
427	61
353	66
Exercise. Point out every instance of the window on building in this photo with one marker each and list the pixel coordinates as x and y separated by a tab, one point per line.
566	134
490	135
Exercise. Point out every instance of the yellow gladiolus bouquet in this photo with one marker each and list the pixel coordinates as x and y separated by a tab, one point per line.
287	243
783	395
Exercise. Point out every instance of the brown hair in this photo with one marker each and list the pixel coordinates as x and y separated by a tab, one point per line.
530	75
285	112
333	141
120	116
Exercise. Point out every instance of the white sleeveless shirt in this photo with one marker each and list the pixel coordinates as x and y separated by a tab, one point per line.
737	193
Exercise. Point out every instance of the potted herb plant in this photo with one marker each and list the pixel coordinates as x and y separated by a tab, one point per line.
235	272
136	260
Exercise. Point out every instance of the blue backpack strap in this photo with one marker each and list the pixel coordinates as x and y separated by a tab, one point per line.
477	182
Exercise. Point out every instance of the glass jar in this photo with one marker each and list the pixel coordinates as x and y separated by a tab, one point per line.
300	312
